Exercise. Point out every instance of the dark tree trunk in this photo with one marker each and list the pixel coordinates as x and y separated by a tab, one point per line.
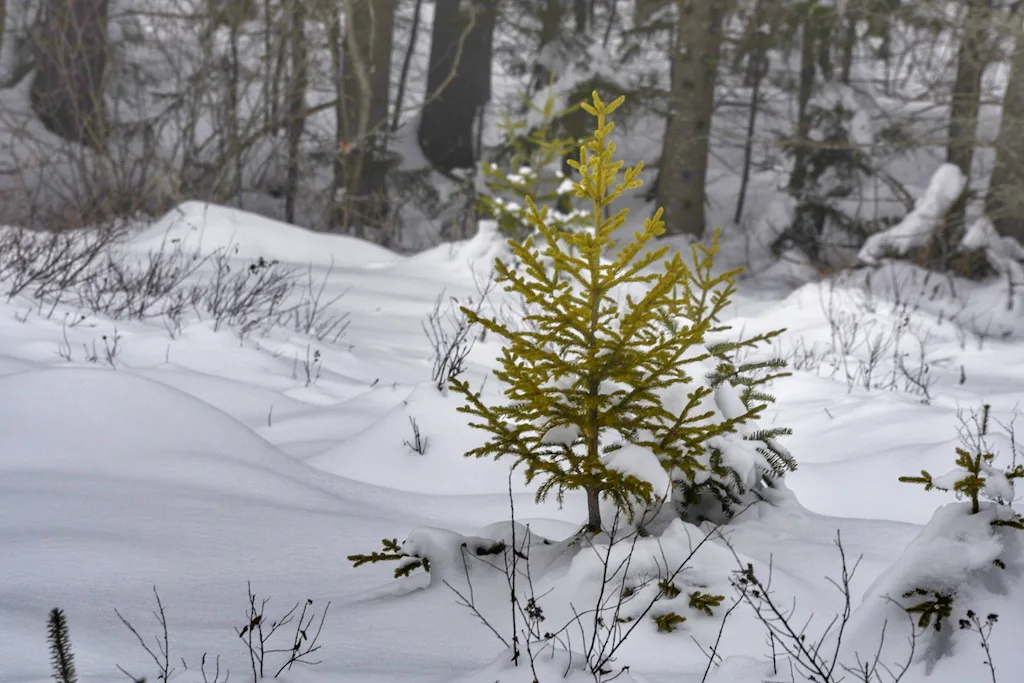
296	106
71	59
594	511
458	82
809	39
3	23
403	79
581	15
682	173
757	69
1004	204
552	13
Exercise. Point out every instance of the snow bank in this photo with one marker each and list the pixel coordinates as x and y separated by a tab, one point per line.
209	227
100	423
567	667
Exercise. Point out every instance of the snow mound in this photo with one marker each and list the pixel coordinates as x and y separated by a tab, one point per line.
945	186
383	455
209	227
93	422
549	666
955	554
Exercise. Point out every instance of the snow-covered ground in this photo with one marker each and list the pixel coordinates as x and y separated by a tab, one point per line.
194	461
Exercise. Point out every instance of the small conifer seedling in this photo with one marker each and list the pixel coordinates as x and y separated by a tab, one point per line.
977	479
607	345
975	476
62	660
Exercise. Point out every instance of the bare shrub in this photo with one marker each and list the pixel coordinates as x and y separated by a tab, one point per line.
258	631
872	345
245	299
809	657
46	265
451	334
311	316
161	656
597	631
93	271
122	287
419	442
312	366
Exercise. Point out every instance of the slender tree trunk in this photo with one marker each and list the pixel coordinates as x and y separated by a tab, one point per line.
403	79
296	104
684	159
581	14
279	59
71	62
757	71
3	23
594	511
963	119
613	19
849	43
808	44
335	43
234	146
552	13
1004	204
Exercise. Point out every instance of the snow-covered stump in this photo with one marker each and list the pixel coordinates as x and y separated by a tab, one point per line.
917	228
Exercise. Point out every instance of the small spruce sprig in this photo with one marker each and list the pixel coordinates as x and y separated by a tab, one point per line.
970	479
701	602
705	602
62	659
392	552
935	609
668	622
975	476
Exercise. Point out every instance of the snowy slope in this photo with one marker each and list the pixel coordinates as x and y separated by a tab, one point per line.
204	461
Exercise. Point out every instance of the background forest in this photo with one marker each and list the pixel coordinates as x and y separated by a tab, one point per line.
806	125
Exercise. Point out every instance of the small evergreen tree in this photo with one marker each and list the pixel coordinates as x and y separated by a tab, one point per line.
834	166
61	658
607	350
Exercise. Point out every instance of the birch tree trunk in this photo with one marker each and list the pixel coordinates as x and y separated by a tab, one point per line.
366	78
